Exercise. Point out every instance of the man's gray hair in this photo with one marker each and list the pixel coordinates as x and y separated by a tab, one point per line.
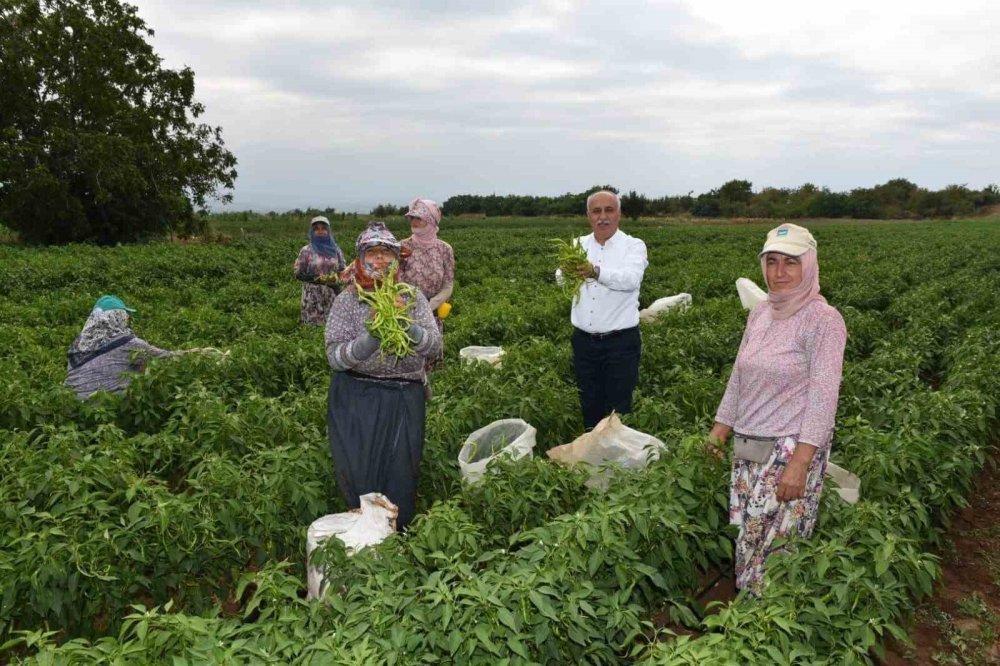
618	199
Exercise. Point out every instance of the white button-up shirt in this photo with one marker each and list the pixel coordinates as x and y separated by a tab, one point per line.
611	302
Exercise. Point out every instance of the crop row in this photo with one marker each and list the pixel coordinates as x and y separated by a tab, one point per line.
205	474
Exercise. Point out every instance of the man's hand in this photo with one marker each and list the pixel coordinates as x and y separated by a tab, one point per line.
586	271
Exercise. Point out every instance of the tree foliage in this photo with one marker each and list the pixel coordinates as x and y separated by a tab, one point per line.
98	141
389	210
896	199
633	205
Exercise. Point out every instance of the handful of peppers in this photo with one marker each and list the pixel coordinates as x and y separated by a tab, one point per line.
390	301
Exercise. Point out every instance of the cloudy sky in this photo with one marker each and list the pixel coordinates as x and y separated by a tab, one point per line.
349	104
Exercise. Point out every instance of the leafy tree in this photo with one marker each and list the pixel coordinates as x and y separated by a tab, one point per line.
734	198
769	202
633	205
897	198
98	141
863	204
707	205
988	196
388	210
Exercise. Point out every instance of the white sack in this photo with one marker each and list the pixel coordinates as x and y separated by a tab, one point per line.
848	485
750	293
491	355
367	526
661	305
511	438
610	442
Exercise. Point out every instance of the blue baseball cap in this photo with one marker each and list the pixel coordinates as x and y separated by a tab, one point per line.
112	303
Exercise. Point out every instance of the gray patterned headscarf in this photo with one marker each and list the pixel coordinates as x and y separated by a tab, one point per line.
103	328
376	233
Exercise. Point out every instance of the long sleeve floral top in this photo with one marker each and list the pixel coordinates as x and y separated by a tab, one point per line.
786	379
431	270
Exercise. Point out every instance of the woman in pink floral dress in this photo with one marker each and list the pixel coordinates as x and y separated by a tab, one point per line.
321	258
780	403
429	262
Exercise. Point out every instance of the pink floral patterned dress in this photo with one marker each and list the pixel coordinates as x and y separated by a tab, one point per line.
431	269
317	298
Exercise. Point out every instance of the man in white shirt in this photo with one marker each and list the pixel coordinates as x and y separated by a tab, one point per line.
606	343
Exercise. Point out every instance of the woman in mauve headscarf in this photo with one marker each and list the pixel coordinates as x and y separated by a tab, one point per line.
376	407
428	262
780	404
317	265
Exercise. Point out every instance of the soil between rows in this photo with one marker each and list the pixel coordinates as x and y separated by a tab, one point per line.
960	624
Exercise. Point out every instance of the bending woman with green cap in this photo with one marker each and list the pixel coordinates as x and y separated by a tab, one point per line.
106	353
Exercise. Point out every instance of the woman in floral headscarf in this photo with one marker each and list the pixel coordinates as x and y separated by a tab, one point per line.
429	263
317	267
107	353
780	404
375	411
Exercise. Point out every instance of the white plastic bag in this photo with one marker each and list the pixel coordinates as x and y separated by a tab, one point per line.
367	526
750	293
610	442
661	305
848	485
491	355
511	438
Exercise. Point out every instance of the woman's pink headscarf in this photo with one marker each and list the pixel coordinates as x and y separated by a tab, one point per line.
429	212
786	303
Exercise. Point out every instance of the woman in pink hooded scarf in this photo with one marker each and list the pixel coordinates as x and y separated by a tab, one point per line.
429	262
780	404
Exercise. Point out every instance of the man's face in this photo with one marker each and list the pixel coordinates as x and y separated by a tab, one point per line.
604	216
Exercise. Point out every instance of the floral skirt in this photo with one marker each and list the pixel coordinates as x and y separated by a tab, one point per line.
317	300
754	508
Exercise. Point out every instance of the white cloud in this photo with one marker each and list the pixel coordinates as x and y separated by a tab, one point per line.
387	99
441	67
913	45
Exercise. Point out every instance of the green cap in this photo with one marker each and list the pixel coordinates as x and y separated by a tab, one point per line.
111	303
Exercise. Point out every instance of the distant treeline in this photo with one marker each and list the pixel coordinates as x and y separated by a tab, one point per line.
896	199
294	214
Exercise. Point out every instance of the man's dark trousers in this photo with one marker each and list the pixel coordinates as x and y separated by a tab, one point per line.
607	369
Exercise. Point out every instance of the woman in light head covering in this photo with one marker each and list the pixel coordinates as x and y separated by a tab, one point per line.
317	267
376	404
429	262
106	353
780	403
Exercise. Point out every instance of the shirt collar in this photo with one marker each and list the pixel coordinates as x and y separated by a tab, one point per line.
611	242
